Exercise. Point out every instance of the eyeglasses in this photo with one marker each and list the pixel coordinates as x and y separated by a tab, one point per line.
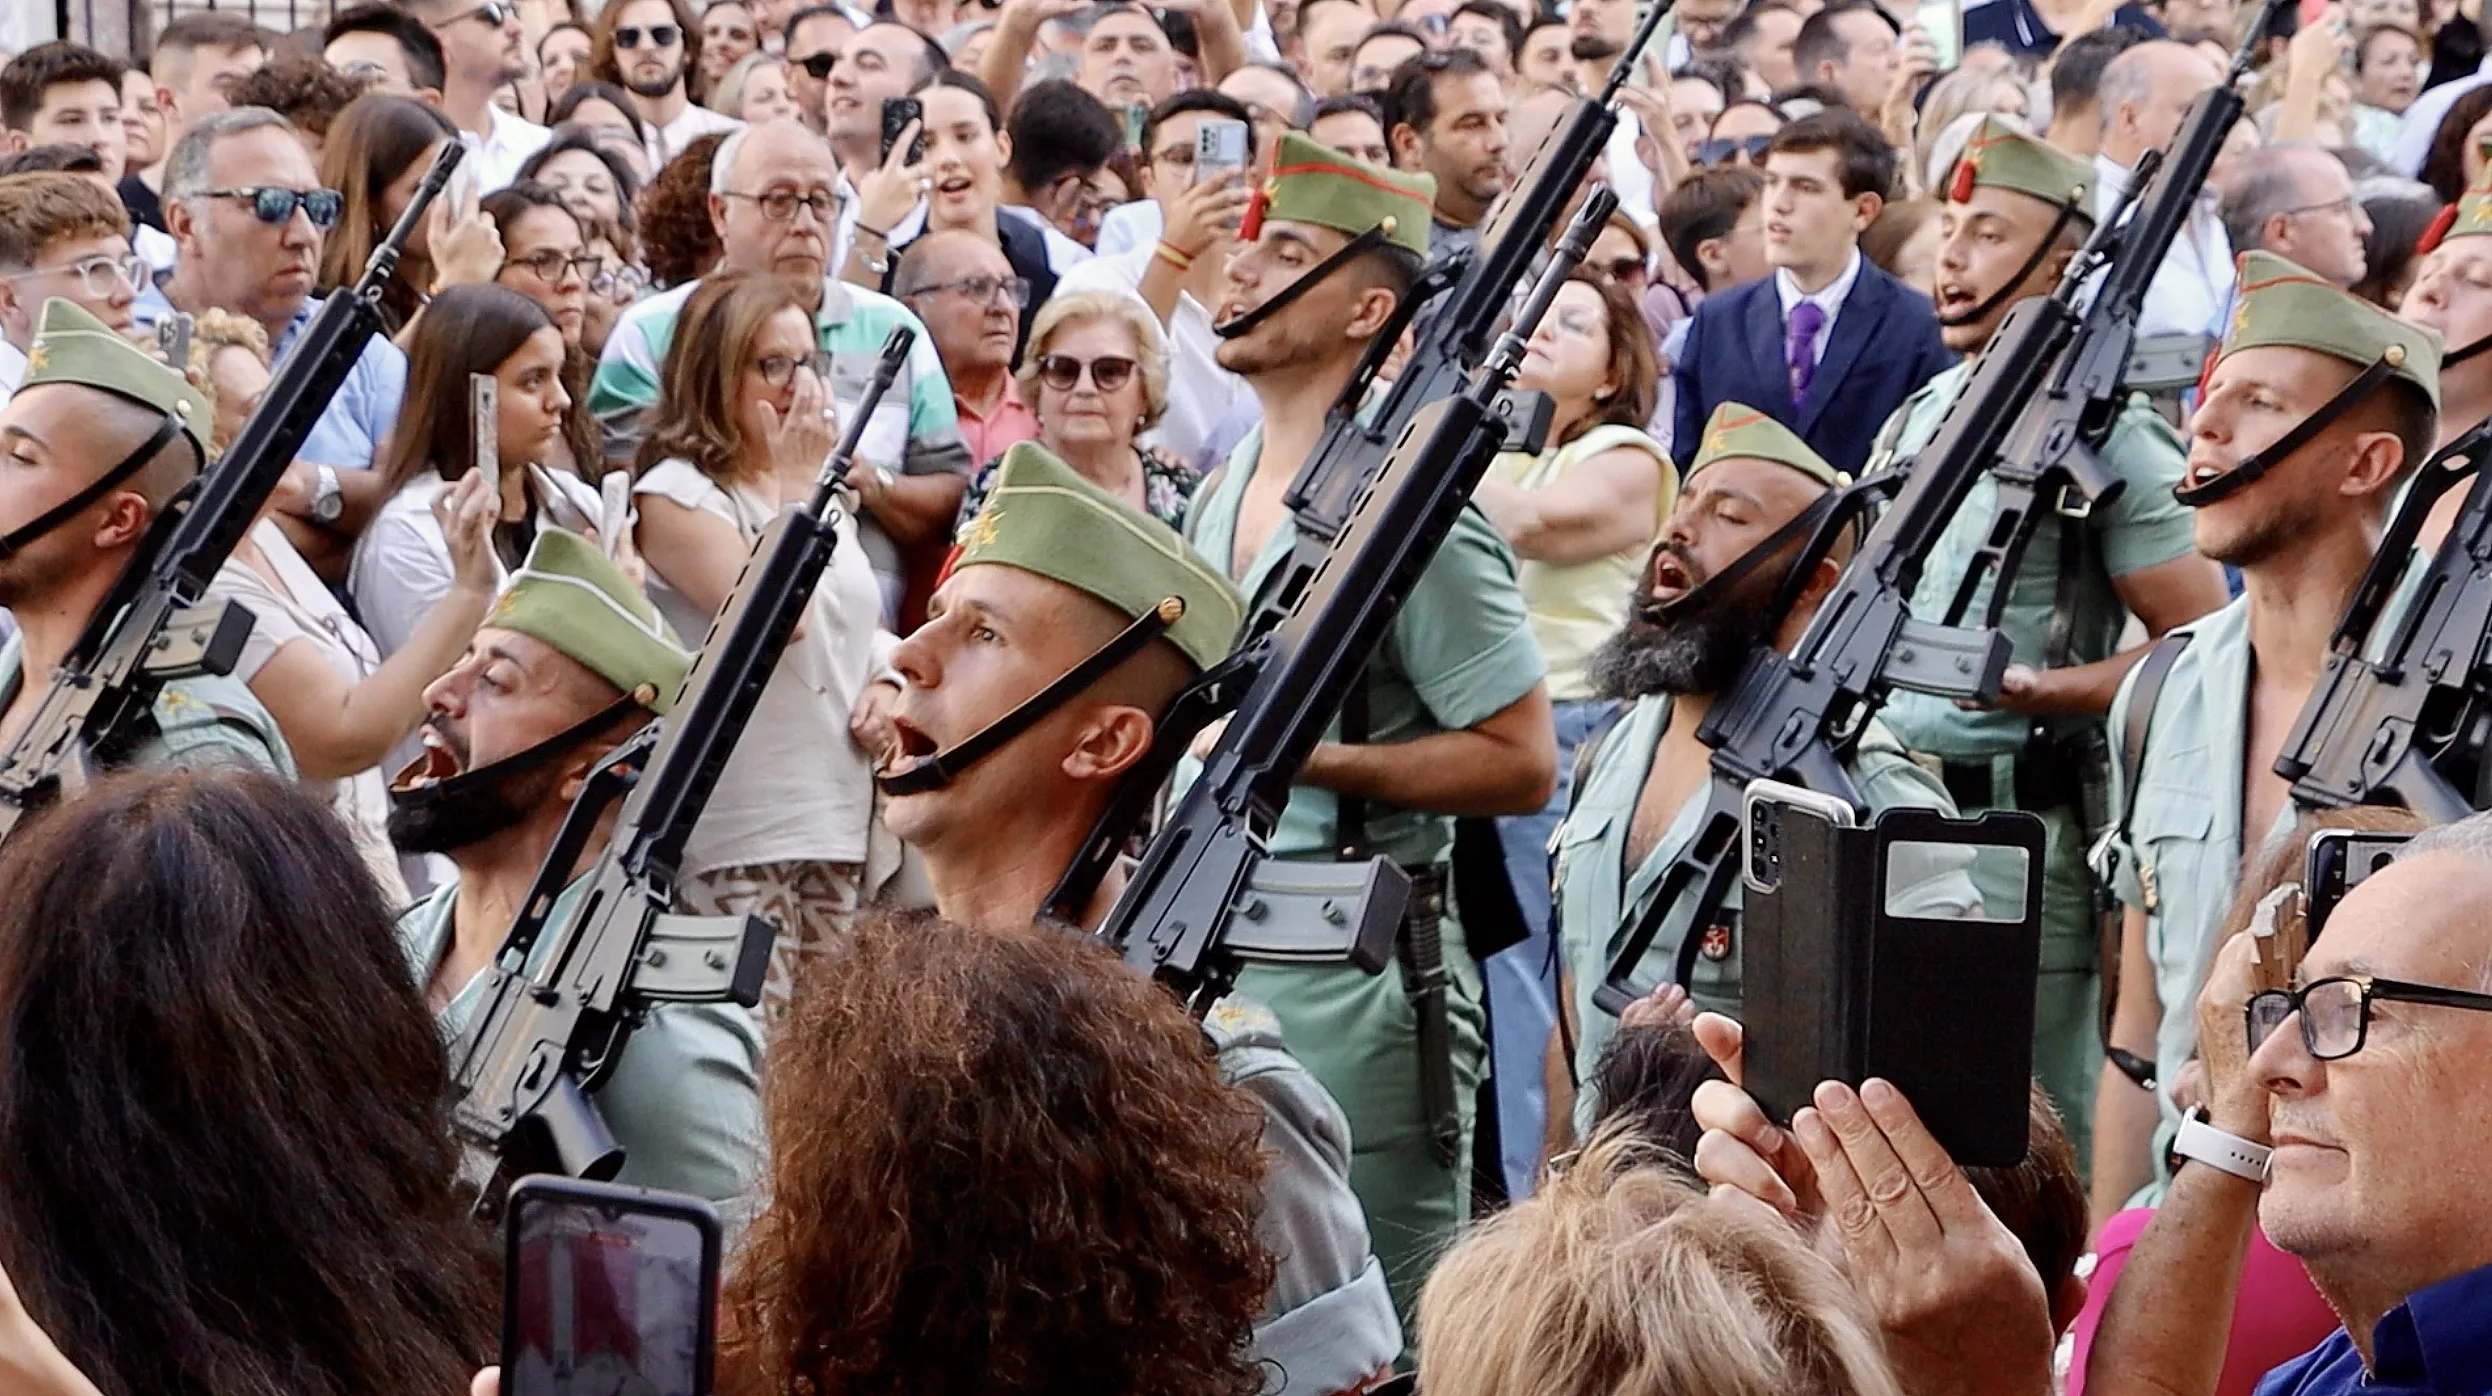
780	205
101	275
2336	1012
1014	290
1621	269
549	266
659	36
273	205
778	369
817	65
492	14
1062	371
619	283
1723	152
2345	206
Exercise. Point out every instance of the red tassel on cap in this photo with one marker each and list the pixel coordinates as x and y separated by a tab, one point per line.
1960	187
2207	370
1250	227
2432	236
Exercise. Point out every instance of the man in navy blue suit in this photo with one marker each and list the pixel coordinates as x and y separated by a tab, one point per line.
1828	345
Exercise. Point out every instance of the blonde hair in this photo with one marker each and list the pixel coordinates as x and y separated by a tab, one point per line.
1150	347
222	329
1621	1277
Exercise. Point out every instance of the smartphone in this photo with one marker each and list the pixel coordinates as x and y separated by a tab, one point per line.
898	112
1219	149
173	340
1943	21
2337	863
1137	116
608	1289
484	426
614	515
1761	807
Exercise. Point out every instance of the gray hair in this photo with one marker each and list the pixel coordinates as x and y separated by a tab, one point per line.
2128	78
2470	837
728	97
186	168
2268	182
722	164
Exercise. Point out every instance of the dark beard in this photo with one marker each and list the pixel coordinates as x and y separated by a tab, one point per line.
421	821
1592	48
1688	652
660	89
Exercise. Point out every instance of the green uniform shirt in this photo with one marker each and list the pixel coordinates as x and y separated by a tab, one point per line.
2180	861
1599	897
211	720
2143	527
685	1100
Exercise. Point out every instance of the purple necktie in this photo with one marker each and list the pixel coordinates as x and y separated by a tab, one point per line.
1807	320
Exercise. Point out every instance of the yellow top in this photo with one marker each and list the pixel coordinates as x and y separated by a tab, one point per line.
1575	606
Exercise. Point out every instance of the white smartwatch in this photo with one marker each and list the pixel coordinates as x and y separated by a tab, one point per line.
2204	1143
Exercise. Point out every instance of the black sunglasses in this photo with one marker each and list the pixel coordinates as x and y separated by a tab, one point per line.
493	13
1722	152
659	35
273	205
817	65
1108	373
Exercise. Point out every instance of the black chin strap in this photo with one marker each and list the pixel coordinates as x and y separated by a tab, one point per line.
2247	473
2458	356
1356	247
11	544
1807	524
403	791
1999	297
944	767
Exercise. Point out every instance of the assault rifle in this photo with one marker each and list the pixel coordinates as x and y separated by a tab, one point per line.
150	629
552	1025
1371	505
2410	727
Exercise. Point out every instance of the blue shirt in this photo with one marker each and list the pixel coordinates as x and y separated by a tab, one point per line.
350	432
2439	1341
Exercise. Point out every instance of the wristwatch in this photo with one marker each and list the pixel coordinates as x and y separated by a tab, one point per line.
2204	1143
328	502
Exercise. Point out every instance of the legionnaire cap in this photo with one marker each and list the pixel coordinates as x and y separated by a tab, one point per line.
2001	156
72	346
1736	429
2280	303
1313	183
569	595
1043	517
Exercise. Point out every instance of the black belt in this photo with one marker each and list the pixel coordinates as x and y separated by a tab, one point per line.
2050	775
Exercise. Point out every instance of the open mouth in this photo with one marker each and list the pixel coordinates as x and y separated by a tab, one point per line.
437	763
1955	299
953	188
909	746
2204	473
1669	581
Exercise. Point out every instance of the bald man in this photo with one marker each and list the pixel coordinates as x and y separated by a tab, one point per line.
2143	96
912	466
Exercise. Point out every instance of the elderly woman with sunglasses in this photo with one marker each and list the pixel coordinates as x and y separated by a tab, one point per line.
1096	373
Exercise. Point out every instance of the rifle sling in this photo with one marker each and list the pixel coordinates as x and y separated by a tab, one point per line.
2247	473
942	768
61	513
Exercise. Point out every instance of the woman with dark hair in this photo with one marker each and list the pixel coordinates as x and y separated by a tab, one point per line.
591	177
740	431
605	112
224	1163
2456	154
729	35
2398	221
545	257
560	56
1000	1162
678	242
1903	243
377	151
402	564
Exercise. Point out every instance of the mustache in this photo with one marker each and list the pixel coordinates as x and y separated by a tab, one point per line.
439	725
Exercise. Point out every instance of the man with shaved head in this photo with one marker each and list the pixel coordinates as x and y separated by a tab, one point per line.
773	200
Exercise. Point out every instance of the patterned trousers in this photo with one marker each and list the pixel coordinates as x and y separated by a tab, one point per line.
812	904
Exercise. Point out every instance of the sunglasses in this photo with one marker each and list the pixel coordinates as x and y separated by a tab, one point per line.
493	14
276	206
1722	152
1107	373
817	65
1621	268
659	36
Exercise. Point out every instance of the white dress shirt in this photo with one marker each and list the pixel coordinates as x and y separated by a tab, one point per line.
1063	253
666	142
1200	392
507	144
1828	298
12	369
2422	120
2192	291
1128	226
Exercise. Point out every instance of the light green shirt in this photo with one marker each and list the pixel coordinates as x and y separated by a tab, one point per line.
1575	606
684	1101
1599	897
1460	652
211	720
2143	527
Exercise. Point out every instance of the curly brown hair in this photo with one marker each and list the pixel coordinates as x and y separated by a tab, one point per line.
1000	1163
677	238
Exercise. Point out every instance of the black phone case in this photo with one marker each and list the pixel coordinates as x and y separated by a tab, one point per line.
898	112
1837	990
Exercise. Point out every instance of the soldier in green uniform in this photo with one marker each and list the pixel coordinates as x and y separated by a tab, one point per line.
571	660
1451	720
1706	601
2318	407
99	439
2016	210
1052	570
2452	297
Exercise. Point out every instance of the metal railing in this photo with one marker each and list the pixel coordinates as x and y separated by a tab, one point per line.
126	27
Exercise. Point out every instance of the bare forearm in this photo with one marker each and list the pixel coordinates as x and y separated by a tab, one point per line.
1161	285
2081	690
1009	55
1222	42
387	705
2125	1116
2165	1328
1456	773
916	508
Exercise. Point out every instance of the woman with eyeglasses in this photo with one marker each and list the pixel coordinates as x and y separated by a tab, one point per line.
1096	375
402	566
729	35
377	151
742	428
545	257
619	282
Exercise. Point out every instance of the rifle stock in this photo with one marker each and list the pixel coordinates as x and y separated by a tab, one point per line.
542	1040
144	635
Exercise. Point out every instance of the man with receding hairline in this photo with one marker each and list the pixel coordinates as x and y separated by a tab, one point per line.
2143	97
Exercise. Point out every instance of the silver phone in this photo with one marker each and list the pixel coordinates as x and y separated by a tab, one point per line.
1760	822
1219	149
484	425
614	492
173	340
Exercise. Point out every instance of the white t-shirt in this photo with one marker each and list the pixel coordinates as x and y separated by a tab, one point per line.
798	787
668	141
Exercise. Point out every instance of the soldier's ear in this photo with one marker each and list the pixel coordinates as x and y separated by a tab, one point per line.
1114	738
